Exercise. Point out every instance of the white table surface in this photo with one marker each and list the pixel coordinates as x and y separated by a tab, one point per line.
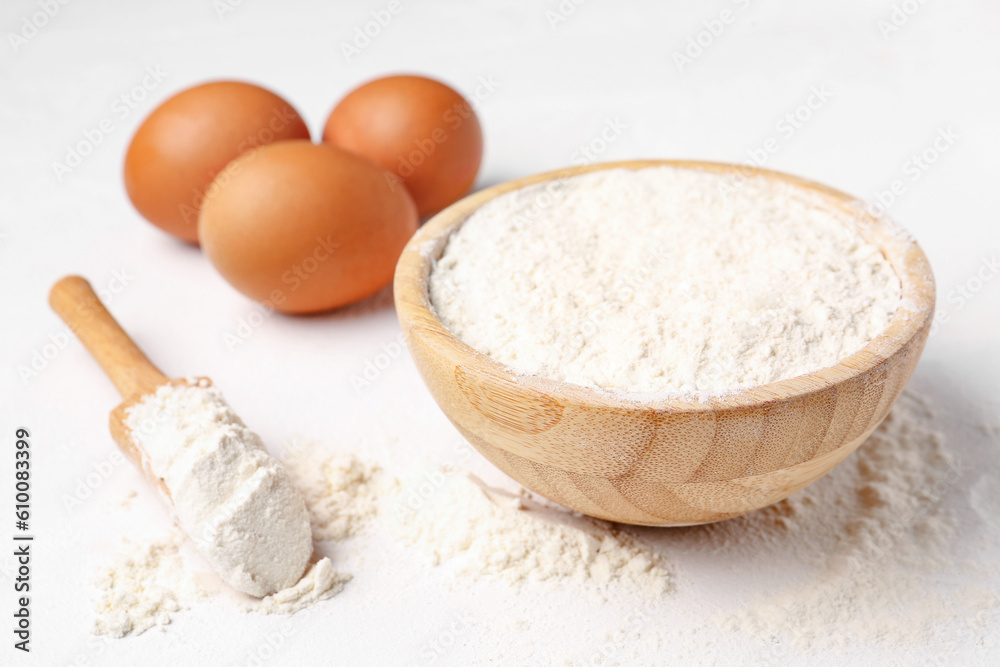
553	86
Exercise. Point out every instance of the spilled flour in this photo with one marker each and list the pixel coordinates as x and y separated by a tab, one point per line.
149	582
341	491
491	533
319	582
486	532
869	535
843	563
851	561
143	587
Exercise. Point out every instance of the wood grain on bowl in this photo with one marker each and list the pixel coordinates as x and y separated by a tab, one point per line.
663	460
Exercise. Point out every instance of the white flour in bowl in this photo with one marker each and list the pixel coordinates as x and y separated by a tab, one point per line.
663	280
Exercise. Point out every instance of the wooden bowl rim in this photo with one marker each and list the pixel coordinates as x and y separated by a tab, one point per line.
900	249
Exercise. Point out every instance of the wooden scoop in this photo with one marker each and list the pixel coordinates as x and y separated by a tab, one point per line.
132	373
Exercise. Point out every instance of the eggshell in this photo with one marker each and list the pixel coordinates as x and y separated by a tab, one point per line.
304	227
189	139
418	128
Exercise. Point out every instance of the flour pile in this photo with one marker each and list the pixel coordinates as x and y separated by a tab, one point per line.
851	553
341	490
663	280
149	582
868	535
319	582
143	587
490	533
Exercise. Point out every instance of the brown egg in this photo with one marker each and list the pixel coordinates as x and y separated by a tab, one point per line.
188	139
419	129
304	228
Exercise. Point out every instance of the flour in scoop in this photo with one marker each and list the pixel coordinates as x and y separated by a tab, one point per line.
147	583
236	503
663	280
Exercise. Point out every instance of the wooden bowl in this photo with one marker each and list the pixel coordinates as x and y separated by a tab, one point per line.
664	461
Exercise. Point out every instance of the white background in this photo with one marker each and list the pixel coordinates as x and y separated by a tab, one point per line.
555	81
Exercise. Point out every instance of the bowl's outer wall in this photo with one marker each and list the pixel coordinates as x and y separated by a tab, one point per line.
655	465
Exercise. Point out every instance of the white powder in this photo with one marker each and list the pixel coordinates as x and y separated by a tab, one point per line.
488	532
149	581
984	498
341	490
143	587
319	582
663	280
869	534
854	551
494	534
848	563
236	503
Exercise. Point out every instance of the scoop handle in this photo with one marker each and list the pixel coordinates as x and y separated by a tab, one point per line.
130	370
